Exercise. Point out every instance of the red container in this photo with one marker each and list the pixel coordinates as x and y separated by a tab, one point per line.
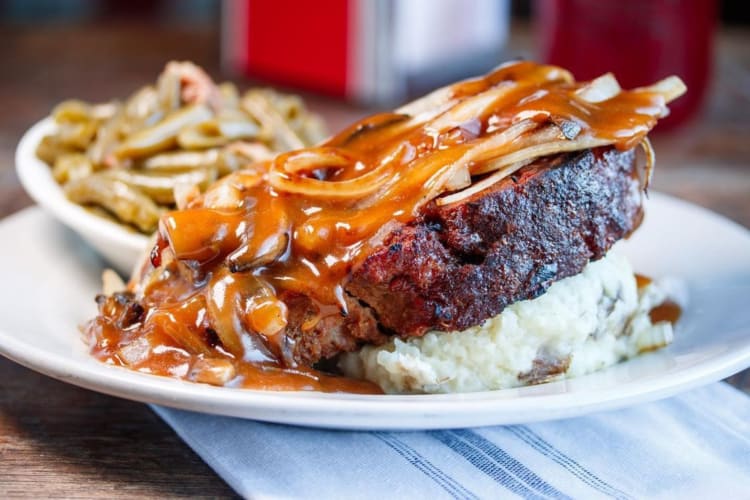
640	41
367	50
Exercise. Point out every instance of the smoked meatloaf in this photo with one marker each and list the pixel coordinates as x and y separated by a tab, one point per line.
457	265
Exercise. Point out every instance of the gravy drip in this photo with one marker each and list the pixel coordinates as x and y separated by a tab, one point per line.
211	297
668	310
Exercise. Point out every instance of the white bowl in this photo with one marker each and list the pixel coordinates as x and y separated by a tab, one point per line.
121	247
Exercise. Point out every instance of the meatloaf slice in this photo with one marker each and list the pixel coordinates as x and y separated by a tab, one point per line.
457	265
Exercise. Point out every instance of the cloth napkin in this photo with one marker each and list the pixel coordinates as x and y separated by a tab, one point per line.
695	445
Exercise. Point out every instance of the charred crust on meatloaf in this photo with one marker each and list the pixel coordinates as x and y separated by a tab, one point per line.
455	266
458	265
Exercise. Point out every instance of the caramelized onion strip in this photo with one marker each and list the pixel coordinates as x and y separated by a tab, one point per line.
503	142
285	175
650	161
470	108
483	184
352	189
454	176
439	182
311	159
220	299
481	104
670	88
508	164
600	89
545	149
445	100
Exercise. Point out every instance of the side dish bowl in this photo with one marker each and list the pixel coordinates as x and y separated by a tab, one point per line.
118	245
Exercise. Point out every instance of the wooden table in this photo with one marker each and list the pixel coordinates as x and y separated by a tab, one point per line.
57	440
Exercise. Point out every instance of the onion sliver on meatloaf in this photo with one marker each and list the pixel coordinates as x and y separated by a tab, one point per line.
457	265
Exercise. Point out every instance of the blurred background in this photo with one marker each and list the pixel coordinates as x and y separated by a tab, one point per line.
348	58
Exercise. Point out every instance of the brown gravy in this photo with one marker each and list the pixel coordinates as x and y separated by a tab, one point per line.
210	297
668	311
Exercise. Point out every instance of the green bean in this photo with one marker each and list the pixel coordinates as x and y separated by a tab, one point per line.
50	147
101	151
77	135
199	137
71	167
78	122
229	95
311	128
234	114
258	105
238	154
125	202
229	162
291	108
181	160
288	106
141	110
163	135
168	91
160	187
217	132
105	111
72	111
237	129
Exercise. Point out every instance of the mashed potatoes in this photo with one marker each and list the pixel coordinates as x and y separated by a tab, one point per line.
581	324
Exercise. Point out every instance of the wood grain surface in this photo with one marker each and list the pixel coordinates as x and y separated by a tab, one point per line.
59	441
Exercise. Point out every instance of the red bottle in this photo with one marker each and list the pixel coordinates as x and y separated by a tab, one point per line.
640	41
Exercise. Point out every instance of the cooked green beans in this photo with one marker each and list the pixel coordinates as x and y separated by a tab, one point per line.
128	158
160	186
125	202
162	135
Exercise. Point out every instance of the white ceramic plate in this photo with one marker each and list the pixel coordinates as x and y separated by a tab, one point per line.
50	278
119	245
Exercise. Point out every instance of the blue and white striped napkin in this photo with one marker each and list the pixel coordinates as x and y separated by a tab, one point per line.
696	445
